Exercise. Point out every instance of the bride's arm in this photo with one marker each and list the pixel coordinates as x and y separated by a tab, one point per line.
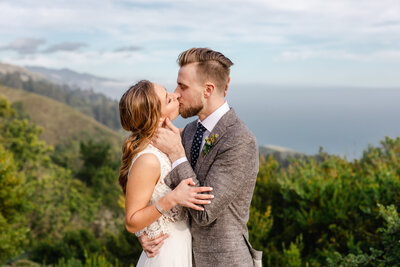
142	179
143	176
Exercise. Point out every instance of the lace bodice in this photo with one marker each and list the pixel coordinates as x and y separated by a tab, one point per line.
161	189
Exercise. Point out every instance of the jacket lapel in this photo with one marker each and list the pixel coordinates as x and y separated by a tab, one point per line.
220	128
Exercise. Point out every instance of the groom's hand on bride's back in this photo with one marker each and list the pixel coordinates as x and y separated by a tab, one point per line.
152	246
168	140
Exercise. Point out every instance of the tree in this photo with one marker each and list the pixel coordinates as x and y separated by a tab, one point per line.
94	156
13	207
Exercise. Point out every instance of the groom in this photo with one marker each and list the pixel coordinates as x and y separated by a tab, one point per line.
217	150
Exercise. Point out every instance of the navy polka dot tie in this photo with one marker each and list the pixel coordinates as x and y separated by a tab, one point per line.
195	150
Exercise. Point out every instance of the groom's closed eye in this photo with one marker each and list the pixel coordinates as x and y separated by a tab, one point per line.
182	86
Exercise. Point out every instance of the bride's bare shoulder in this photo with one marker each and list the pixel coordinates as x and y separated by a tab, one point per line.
146	166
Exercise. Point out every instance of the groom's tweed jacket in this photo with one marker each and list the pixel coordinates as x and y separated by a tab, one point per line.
220	235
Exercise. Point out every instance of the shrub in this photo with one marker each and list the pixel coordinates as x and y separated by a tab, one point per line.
330	202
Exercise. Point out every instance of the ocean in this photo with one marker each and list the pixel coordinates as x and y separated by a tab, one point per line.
343	121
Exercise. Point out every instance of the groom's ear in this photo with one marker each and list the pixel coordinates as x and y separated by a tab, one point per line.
209	89
227	85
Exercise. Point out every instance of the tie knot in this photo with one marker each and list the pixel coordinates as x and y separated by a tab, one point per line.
201	128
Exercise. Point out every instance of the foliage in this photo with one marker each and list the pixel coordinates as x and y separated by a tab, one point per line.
331	202
315	211
387	254
13	202
5	109
93	155
22	138
90	261
292	255
63	217
124	246
105	187
60	204
13	226
100	172
74	245
21	112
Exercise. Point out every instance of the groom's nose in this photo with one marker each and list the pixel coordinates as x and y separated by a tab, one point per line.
176	95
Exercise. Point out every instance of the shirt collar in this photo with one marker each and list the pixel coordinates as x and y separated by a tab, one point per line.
212	120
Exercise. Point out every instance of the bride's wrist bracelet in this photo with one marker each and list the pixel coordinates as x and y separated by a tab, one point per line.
160	209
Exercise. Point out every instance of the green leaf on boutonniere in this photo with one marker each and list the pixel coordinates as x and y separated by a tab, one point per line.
208	144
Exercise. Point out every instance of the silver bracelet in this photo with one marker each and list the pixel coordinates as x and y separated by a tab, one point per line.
160	209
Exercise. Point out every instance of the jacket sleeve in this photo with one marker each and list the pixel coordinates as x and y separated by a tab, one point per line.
234	168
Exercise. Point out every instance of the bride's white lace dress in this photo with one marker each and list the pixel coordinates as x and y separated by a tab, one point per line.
177	248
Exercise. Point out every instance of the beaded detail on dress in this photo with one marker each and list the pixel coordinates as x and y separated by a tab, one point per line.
177	213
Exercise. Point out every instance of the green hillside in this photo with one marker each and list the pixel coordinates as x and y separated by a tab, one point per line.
96	105
62	125
320	211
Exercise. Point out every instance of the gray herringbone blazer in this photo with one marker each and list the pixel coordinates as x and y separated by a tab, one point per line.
220	235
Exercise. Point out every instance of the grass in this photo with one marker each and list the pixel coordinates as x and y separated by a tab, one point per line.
62	124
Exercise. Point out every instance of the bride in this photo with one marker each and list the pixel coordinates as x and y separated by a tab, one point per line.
150	205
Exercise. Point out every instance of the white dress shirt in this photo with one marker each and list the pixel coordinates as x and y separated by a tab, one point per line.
208	123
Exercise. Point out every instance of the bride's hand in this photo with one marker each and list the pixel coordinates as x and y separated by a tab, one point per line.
186	195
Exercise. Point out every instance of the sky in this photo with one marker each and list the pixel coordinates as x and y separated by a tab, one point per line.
285	42
307	73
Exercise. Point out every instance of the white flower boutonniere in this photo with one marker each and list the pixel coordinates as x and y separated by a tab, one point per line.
209	142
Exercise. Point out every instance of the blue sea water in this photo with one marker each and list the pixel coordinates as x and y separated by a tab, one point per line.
344	121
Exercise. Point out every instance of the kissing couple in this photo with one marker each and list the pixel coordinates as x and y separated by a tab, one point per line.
188	193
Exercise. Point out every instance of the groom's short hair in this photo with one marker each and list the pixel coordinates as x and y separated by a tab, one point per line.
211	65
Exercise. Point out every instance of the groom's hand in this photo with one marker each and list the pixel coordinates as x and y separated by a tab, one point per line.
152	246
168	140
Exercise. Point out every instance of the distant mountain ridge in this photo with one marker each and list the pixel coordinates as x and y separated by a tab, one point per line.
286	152
84	81
24	73
96	105
67	76
281	154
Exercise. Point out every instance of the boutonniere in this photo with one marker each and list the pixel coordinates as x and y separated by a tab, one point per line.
208	144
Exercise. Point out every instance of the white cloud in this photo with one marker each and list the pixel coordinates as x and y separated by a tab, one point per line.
131	48
24	46
385	55
285	30
250	21
65	46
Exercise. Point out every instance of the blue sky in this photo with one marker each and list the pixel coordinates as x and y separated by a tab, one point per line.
286	42
299	64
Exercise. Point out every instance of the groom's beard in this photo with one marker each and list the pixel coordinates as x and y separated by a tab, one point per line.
191	111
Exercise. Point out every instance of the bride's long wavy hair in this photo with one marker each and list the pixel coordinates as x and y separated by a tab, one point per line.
139	112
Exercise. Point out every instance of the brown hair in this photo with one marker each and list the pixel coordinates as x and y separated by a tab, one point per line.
212	65
139	112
